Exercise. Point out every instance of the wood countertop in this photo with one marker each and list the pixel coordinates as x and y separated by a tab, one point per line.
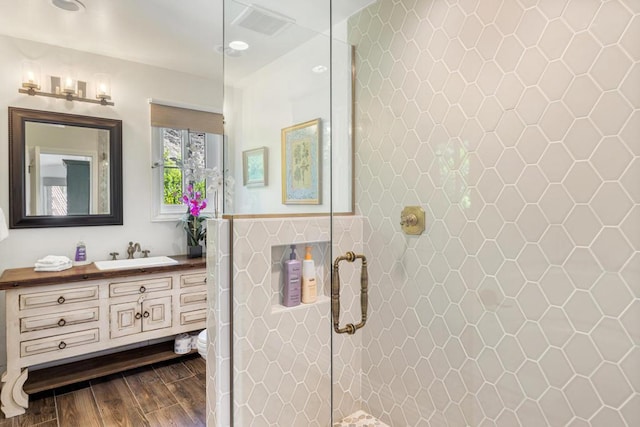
13	278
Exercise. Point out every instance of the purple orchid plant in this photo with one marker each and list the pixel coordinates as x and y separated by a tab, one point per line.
194	218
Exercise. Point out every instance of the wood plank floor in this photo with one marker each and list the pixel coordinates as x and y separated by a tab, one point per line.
161	395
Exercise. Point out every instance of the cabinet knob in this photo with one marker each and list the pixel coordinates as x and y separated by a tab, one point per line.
142	289
146	314
138	315
62	345
62	322
61	300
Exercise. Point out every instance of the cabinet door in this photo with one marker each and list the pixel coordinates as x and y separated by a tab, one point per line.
122	319
156	313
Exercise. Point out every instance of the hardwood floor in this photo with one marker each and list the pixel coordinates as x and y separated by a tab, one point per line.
161	395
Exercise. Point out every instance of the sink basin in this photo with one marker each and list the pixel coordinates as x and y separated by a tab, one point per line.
119	264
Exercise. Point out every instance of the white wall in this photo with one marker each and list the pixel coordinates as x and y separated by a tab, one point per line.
132	85
284	93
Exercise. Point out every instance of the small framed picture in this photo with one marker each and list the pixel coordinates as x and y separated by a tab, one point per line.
301	164
254	167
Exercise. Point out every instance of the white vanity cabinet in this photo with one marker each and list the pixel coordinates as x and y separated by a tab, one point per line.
87	313
142	315
140	306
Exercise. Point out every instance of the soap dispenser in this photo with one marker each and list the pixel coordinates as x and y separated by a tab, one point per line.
81	254
292	270
309	286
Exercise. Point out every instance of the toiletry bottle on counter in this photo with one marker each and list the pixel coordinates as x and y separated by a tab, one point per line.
81	253
292	274
309	287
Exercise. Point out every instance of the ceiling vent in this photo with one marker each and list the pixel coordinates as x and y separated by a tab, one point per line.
263	21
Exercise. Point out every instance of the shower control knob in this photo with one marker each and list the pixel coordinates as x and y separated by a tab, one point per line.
409	220
412	220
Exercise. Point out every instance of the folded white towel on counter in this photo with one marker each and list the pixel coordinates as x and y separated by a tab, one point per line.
53	263
52	260
58	267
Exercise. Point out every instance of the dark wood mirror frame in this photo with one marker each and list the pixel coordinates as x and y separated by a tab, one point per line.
18	117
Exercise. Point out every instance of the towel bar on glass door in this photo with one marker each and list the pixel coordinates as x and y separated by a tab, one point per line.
350	328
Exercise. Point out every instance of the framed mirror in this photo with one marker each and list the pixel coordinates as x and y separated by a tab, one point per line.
65	170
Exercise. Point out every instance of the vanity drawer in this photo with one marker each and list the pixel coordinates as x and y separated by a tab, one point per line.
195	316
57	298
58	320
59	342
190	280
190	298
138	287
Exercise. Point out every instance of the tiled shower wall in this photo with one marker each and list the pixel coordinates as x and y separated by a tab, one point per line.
516	125
282	362
218	323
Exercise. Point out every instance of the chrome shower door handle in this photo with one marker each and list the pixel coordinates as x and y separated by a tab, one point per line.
349	328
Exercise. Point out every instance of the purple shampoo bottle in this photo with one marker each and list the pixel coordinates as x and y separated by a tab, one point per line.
292	278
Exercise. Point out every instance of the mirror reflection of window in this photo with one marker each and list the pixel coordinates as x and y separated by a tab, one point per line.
55	196
56	172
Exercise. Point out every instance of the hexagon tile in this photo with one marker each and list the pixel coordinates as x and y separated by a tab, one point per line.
516	125
281	355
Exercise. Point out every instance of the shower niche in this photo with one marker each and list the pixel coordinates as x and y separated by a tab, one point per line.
321	254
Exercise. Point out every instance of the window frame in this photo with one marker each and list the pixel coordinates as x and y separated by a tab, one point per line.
160	210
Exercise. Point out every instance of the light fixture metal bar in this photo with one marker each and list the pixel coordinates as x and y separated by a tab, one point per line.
68	97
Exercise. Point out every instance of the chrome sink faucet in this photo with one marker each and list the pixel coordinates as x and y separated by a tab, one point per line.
132	249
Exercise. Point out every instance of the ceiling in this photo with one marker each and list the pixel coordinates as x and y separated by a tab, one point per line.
182	35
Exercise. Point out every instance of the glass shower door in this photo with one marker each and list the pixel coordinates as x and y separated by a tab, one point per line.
277	103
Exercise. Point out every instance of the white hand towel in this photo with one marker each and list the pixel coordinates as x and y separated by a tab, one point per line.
4	232
53	260
54	268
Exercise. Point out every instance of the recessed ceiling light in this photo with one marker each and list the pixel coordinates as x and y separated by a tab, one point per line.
69	5
238	45
319	69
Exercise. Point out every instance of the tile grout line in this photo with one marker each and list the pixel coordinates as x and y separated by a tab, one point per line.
179	401
93	395
144	414
55	405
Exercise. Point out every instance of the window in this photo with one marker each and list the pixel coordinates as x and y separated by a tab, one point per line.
186	149
184	158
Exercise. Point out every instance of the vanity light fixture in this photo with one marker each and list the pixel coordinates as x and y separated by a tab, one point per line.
67	87
30	77
70	85
103	88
